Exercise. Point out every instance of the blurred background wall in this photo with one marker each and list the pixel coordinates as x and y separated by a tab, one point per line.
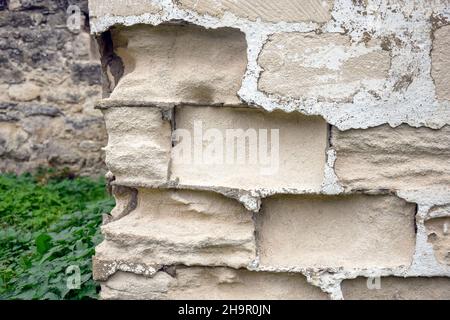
49	81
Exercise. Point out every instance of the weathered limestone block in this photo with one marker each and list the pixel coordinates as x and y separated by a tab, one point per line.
271	11
357	231
325	66
440	62
104	8
176	63
210	283
395	288
139	143
293	158
181	227
438	230
396	158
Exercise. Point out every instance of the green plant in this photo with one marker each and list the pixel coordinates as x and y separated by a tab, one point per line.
49	222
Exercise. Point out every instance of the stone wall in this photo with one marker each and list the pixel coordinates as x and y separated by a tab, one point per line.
49	82
352	98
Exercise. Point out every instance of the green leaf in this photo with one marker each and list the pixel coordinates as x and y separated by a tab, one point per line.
43	243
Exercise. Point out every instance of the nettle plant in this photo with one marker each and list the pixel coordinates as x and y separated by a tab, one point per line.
49	226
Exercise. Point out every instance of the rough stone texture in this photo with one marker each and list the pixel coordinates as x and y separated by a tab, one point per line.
356	231
441	62
438	230
46	107
302	144
325	66
273	11
139	143
181	227
102	8
370	200
397	158
188	64
210	283
396	288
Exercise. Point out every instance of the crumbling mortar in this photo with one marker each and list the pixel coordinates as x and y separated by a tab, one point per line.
403	106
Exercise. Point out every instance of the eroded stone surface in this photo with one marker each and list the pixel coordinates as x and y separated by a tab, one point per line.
101	8
297	164
440	60
181	227
396	288
325	66
438	230
188	64
357	231
139	143
397	158
272	11
210	283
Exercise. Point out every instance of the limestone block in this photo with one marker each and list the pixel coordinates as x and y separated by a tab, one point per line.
358	231
139	144
102	8
325	66
397	158
440	62
176	63
293	158
210	283
181	227
395	288
24	92
438	230
271	11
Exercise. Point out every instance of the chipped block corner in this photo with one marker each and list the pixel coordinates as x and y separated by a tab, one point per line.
275	149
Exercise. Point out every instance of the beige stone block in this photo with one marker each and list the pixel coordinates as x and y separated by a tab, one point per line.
325	66
396	288
358	231
438	230
440	62
293	158
392	158
181	227
180	64
102	8
271	11
210	283
24	92
139	143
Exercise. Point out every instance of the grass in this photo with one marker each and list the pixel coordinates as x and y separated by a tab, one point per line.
49	226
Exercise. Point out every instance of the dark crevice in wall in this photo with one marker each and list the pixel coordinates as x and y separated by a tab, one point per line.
416	211
112	65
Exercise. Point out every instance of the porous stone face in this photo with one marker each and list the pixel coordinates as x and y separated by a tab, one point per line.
441	62
397	158
181	227
188	64
139	143
210	283
24	92
272	11
102	8
396	288
358	231
45	112
438	230
326	66
294	156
